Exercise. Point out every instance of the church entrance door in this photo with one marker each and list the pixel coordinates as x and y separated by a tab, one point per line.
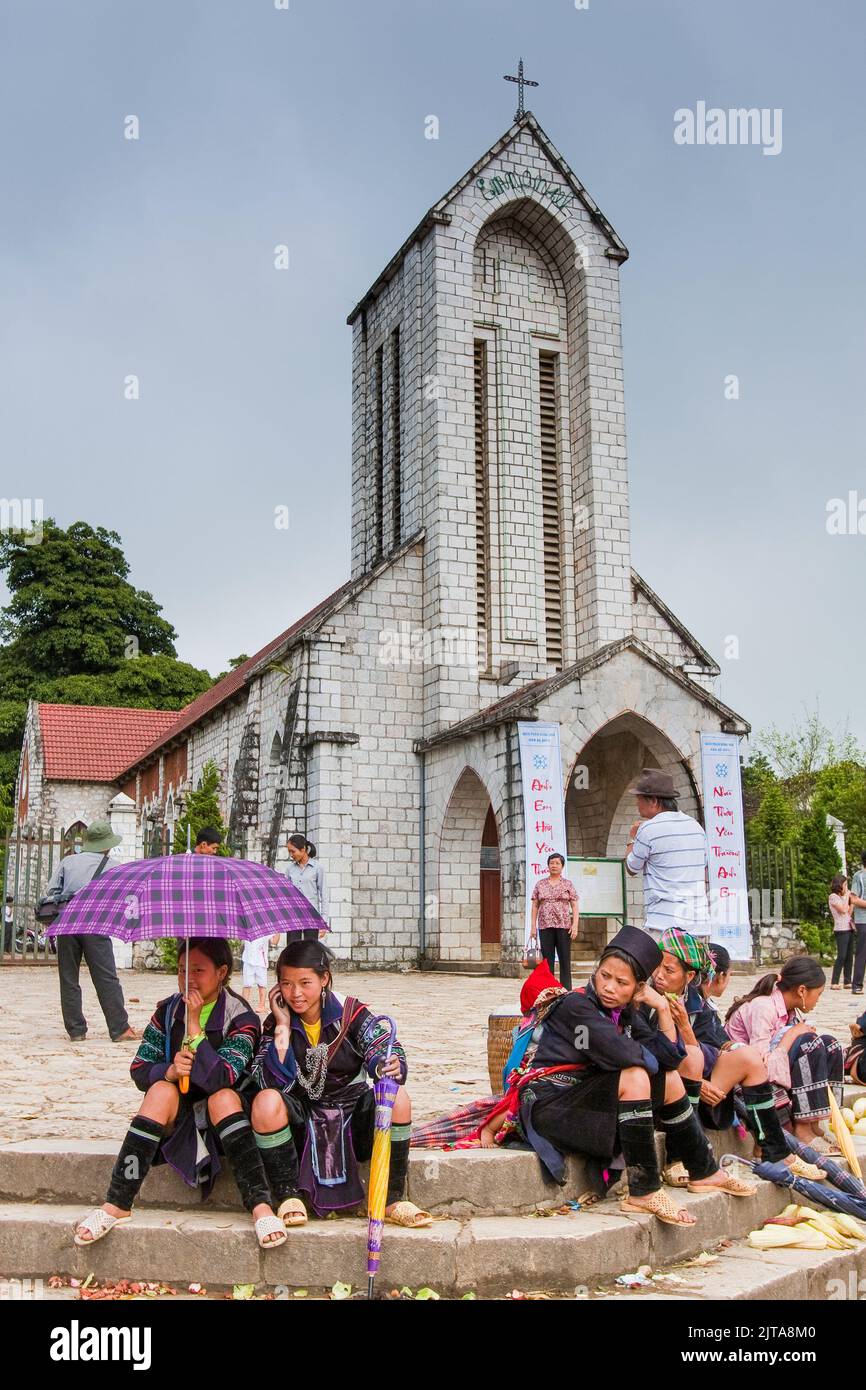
491	884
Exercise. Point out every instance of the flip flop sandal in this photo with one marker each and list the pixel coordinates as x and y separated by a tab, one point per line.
292	1212
407	1214
735	1187
676	1175
270	1226
656	1204
99	1223
588	1199
825	1147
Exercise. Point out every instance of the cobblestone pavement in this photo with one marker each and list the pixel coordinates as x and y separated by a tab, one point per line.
51	1088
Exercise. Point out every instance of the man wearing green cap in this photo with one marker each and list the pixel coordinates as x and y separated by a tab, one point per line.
72	873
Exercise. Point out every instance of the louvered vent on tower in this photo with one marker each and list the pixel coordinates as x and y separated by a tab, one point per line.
550	506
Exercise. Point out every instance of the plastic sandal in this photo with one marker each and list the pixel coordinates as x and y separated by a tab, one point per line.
676	1175
270	1225
825	1147
407	1214
292	1212
99	1223
734	1186
801	1169
656	1204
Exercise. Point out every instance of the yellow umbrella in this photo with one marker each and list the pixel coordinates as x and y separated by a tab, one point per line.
843	1136
385	1091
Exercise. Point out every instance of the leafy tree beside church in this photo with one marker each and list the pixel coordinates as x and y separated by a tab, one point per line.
76	631
202	809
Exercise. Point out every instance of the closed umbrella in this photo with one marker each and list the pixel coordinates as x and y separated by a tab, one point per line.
385	1091
843	1136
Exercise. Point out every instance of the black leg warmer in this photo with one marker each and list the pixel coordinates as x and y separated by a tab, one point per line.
638	1143
399	1169
763	1121
280	1159
239	1145
693	1091
137	1153
685	1139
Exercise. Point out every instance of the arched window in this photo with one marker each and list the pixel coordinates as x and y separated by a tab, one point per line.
73	836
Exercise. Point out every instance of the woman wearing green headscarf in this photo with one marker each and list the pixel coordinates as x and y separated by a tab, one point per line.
714	1065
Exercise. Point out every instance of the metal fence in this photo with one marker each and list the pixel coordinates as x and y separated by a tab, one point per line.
772	878
31	854
30	858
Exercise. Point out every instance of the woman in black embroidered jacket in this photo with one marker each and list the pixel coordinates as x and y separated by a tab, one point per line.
607	1076
314	1068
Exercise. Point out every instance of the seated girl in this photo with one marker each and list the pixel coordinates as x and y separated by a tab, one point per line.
602	1076
210	1036
314	1071
855	1060
495	1120
800	1062
714	1065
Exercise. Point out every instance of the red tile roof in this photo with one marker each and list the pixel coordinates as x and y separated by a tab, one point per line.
233	682
94	743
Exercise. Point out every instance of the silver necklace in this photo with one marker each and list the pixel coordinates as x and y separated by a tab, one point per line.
313	1071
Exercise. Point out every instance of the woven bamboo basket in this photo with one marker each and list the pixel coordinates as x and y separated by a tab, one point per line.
500	1040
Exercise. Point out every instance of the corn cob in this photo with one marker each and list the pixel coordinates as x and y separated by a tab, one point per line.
830	1234
804	1237
848	1225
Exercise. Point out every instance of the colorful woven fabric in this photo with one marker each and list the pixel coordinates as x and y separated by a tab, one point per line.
186	895
691	950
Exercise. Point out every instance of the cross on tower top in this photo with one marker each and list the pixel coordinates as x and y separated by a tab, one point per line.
521	83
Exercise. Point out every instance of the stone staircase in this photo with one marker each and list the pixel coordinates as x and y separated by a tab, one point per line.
488	1235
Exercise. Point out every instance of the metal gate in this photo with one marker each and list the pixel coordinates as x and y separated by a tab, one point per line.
30	858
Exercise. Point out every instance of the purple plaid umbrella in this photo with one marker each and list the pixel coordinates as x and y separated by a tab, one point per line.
187	895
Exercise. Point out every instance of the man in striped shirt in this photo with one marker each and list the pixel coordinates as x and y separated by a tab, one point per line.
670	849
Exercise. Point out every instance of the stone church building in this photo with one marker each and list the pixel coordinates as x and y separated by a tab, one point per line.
490	583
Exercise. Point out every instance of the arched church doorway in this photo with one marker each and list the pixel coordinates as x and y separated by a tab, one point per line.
470	889
599	809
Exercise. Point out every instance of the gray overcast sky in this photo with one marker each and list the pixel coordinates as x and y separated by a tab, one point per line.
261	126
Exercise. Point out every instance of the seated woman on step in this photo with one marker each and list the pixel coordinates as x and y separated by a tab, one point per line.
800	1062
494	1121
210	1036
604	1076
855	1055
714	1065
315	1067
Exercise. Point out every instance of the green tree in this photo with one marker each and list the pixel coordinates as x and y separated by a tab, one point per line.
774	824
144	682
798	756
819	861
840	790
77	632
202	808
72	608
756	777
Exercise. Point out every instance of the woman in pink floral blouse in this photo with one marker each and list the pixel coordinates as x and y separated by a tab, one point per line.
555	917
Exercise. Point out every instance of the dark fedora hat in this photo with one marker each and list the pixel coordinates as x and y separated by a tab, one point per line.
654	782
639	945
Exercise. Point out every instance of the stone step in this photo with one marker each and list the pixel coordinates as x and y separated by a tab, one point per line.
463	967
473	1182
490	1255
746	1274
